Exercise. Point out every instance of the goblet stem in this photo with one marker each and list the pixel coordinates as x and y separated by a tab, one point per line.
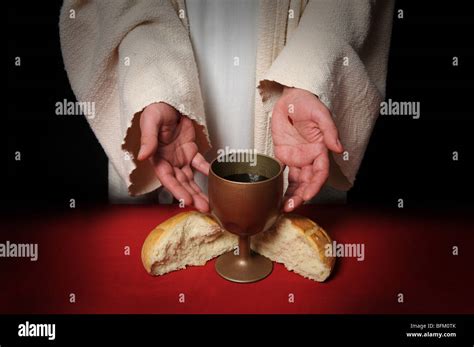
244	247
244	267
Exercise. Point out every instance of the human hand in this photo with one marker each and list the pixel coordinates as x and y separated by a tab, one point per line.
303	131
168	141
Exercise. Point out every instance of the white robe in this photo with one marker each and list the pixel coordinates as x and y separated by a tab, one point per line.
300	44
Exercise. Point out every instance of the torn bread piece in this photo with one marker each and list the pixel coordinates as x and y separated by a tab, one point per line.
189	238
299	244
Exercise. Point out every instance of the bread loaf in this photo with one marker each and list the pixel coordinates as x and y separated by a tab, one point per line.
193	238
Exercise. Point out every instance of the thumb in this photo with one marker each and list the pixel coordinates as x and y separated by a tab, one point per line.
150	121
329	130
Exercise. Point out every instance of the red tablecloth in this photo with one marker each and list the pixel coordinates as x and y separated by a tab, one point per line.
82	252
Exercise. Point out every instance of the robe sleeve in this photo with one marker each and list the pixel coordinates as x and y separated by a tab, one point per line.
339	52
124	55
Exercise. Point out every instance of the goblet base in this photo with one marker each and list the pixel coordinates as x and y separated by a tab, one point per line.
235	268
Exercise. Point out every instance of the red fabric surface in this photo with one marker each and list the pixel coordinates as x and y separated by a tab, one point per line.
82	252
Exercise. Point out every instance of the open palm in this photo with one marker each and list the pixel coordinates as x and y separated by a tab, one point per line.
303	131
168	141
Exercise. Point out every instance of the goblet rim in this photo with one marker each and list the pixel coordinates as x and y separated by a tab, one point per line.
211	171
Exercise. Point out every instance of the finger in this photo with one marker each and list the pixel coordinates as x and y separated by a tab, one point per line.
184	181
200	164
149	123
313	188
320	176
293	196
331	137
165	174
293	178
292	202
204	196
307	172
189	173
180	176
200	201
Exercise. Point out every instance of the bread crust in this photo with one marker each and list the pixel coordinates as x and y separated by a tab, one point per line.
315	235
162	230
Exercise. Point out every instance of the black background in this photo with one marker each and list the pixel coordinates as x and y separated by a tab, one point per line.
262	330
406	158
